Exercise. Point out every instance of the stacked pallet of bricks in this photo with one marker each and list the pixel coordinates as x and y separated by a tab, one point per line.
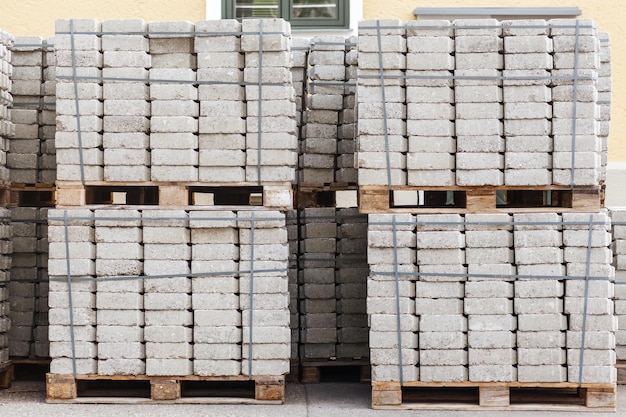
491	298
604	98
243	131
29	283
318	147
332	280
468	297
480	103
31	153
205	290
618	221
168	292
7	130
300	48
346	142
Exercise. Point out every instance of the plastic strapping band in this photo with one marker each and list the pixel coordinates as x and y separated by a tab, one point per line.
259	105
251	324
69	291
586	304
397	282
574	105
77	104
384	102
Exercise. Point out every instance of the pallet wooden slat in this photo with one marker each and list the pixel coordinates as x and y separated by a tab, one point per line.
495	396
6	375
277	196
377	199
67	389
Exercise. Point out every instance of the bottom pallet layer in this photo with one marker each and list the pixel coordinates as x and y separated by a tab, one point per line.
172	390
6	375
494	396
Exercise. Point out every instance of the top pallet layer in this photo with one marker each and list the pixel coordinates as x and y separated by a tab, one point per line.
175	102
482	103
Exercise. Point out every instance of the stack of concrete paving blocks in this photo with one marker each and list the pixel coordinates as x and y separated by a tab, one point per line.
478	46
47	123
222	128
72	331
29	283
119	299
391	302
271	129
604	98
294	316
174	121
589	294
79	100
538	244
216	316
5	265
327	73
520	318
574	124
300	48
351	273
170	292
126	115
489	297
511	106
7	127
618	228
167	253
381	115
527	102
28	55
264	297
346	143
438	303
430	111
318	304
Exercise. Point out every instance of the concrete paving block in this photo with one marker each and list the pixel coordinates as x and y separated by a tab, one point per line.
597	374
167	301
488	289
584	93
121	350
593	340
470	60
169	367
491	340
172	335
488	306
541	356
495	322
443	357
443	374
120	317
476	27
541	373
538	255
124	43
66	366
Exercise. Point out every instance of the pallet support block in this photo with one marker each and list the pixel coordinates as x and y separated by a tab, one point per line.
173	195
60	387
494	396
386	394
164	390
311	375
71	197
277	197
270	389
601	397
6	375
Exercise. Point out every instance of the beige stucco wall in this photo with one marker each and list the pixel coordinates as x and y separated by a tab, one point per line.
36	17
609	15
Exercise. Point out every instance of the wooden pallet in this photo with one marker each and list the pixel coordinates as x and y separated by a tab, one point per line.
278	195
32	195
513	396
6	375
311	195
316	371
135	389
376	199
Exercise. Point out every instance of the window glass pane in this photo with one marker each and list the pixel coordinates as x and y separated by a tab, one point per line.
314	9
256	8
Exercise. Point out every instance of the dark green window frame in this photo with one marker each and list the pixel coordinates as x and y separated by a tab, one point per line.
285	8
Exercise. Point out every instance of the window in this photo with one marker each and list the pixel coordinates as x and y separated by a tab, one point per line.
301	13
